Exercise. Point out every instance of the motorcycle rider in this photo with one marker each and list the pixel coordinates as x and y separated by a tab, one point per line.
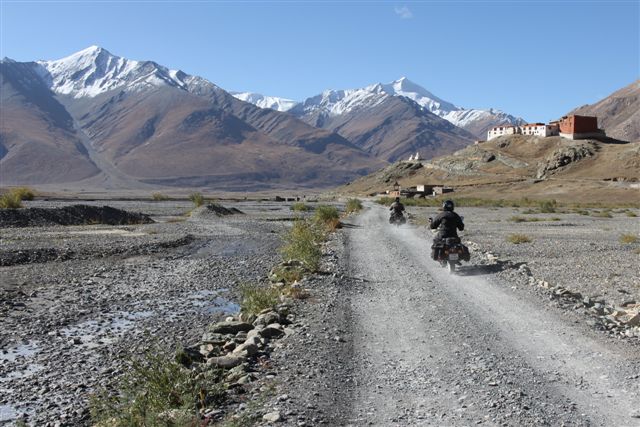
396	212
447	222
397	207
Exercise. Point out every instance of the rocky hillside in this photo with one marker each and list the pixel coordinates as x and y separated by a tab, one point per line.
523	166
618	114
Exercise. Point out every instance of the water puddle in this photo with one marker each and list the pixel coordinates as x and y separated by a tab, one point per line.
21	351
94	333
27	372
7	413
210	302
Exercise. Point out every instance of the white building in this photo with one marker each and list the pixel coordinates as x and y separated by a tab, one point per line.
502	130
540	129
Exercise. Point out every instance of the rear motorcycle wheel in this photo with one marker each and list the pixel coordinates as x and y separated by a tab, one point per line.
451	267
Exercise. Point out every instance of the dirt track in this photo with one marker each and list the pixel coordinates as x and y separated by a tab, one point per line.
401	342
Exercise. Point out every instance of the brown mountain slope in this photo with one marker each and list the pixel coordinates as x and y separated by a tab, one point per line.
170	136
37	140
395	129
522	166
618	114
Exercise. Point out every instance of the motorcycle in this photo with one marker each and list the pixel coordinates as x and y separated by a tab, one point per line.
449	252
397	218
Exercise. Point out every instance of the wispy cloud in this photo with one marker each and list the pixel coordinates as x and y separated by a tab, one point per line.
403	12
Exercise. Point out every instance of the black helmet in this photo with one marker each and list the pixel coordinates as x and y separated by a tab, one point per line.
447	205
398	199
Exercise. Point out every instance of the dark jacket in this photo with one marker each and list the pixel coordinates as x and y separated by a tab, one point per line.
397	207
447	223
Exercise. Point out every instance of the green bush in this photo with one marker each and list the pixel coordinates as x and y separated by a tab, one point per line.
10	201
353	205
548	206
157	391
628	238
256	298
158	197
518	238
302	243
288	274
24	193
197	199
328	216
299	207
630	214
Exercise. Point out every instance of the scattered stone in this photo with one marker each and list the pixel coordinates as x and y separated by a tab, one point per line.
272	417
272	331
634	321
267	318
226	362
250	348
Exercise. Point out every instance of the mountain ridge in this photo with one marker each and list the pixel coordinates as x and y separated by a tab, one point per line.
151	124
332	102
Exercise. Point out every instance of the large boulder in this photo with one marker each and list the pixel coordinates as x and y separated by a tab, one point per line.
232	327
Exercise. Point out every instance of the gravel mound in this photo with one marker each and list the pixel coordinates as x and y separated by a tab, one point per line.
215	209
70	215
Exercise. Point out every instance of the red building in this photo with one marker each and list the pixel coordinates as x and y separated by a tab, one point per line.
578	127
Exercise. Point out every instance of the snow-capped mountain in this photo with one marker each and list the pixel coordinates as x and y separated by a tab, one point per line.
94	71
331	103
113	122
262	101
424	98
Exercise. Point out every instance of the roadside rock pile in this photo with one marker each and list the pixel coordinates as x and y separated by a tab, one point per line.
622	320
236	345
70	215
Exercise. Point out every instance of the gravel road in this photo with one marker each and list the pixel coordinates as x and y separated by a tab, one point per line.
398	341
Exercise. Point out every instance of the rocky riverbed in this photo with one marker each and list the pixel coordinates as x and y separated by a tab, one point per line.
100	293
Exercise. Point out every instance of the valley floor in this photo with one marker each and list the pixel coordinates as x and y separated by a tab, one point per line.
386	337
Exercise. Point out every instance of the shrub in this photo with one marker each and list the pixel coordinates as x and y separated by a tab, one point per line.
353	205
154	386
630	214
628	238
10	201
24	193
197	199
256	298
299	207
158	197
518	238
548	206
287	274
327	216
302	243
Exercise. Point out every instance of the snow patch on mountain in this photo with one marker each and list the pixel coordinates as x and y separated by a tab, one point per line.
263	101
336	102
93	71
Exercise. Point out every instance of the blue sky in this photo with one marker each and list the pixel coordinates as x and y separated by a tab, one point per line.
535	59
